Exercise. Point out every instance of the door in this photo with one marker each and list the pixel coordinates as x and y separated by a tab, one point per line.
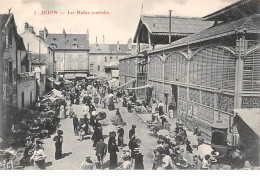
175	99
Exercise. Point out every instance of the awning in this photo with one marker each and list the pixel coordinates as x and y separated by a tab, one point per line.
131	80
51	79
141	87
92	77
84	75
251	117
115	73
113	82
57	82
69	76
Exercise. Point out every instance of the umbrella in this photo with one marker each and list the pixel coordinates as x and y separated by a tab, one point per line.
163	132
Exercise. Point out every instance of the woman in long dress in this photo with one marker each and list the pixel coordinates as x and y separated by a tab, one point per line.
39	158
58	145
113	155
62	112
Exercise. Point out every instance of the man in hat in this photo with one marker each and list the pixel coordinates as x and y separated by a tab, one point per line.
87	164
120	133
132	131
101	151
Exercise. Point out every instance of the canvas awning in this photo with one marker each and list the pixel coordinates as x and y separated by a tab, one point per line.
113	82
92	77
84	75
131	80
57	82
251	117
51	79
141	87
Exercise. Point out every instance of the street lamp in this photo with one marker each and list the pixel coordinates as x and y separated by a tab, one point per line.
219	92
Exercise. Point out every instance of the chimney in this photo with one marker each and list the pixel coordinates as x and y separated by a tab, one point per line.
87	34
170	25
117	46
64	32
26	25
45	33
96	41
41	34
30	28
103	39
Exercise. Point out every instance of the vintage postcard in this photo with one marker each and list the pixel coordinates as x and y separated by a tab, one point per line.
129	85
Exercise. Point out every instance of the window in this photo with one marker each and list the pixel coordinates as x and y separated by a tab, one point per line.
22	99
111	58
105	59
91	66
69	65
98	67
10	71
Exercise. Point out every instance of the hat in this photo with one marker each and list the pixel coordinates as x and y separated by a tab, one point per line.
133	126
136	150
213	159
213	153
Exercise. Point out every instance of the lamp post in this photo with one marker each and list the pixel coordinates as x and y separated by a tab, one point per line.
219	94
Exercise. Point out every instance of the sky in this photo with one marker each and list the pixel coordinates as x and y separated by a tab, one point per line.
119	25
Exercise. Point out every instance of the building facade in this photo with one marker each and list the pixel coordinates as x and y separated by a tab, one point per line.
16	76
42	59
71	54
208	74
104	57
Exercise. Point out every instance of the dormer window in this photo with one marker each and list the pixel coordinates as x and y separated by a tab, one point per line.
53	45
75	44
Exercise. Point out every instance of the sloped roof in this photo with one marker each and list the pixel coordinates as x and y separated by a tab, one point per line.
3	20
20	43
67	42
239	9
252	25
159	25
112	65
251	117
110	48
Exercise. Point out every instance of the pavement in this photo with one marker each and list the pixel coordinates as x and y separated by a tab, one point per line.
192	138
74	151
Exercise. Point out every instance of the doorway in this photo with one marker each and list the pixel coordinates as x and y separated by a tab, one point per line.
174	99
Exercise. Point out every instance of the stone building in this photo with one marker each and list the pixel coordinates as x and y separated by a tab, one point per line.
16	77
103	57
42	58
71	53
